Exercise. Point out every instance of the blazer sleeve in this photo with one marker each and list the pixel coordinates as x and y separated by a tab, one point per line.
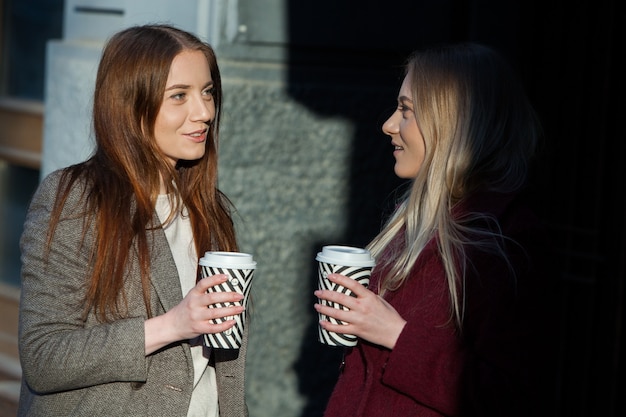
59	350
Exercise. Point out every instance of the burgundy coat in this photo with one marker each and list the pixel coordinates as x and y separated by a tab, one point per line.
496	366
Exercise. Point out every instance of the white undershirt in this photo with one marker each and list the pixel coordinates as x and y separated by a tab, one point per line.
180	239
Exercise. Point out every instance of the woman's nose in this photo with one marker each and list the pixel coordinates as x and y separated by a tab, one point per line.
202	110
390	127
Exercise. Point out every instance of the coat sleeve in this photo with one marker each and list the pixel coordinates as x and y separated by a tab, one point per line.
428	359
498	364
60	351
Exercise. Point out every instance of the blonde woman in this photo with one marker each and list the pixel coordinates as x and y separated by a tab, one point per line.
448	326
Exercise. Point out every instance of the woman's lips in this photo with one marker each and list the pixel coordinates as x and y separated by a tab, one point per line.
197	136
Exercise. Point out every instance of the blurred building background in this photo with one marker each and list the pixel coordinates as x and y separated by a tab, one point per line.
307	86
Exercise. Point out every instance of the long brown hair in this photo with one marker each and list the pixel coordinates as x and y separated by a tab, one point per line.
123	176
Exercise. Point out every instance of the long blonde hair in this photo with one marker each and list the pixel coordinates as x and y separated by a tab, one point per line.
480	132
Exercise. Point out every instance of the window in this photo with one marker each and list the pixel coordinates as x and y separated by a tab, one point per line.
26	27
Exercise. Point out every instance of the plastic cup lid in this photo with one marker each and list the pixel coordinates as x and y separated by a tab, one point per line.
345	255
237	260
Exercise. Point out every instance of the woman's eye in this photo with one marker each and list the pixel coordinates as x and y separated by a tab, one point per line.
209	91
407	111
178	96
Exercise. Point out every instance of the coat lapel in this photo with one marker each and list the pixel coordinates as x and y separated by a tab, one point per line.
163	272
165	280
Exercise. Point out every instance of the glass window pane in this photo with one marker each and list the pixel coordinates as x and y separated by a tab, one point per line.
17	185
27	26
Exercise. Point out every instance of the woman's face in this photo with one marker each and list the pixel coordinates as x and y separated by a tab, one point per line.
188	108
406	138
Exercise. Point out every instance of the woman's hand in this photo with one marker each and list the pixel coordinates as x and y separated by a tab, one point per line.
192	317
369	316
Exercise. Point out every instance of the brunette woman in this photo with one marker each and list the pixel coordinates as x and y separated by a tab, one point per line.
111	316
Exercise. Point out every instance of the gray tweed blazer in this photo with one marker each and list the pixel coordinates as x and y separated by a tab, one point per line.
82	368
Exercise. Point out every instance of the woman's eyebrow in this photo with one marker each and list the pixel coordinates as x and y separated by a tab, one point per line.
187	86
177	86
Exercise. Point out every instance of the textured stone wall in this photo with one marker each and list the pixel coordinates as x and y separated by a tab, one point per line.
286	172
305	164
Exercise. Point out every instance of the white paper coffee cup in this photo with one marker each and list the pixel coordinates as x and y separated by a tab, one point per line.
240	268
355	263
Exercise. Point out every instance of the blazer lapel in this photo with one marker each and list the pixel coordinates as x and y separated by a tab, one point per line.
163	273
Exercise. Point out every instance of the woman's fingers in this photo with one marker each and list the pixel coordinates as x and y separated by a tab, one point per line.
341	296
216	297
335	313
205	283
206	308
211	319
222	299
368	316
346	328
335	297
220	312
219	327
349	283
